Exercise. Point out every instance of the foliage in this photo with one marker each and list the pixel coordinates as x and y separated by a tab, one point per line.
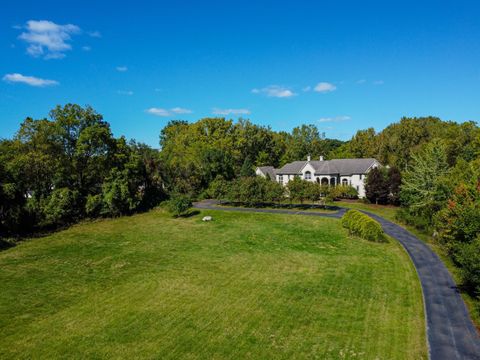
382	186
57	171
93	205
423	192
218	189
179	204
61	207
394	177
339	192
194	154
459	221
119	196
247	168
301	190
255	190
468	256
377	186
363	226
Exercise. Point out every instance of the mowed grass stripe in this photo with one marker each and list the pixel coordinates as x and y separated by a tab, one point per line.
243	286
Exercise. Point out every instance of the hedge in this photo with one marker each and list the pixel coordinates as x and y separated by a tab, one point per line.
363	226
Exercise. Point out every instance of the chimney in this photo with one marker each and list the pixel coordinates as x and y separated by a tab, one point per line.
308	157
321	157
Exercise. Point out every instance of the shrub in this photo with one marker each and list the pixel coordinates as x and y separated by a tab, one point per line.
468	256
60	207
255	190
459	221
178	205
343	192
219	188
363	226
93	206
119	196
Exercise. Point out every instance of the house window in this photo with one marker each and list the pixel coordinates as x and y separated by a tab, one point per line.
308	175
280	178
344	182
361	176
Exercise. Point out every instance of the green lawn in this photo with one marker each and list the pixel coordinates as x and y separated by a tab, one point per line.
243	286
388	212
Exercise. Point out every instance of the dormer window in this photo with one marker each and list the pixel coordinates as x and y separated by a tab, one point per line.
308	175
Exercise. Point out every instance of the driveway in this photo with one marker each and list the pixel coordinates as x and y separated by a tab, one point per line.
450	331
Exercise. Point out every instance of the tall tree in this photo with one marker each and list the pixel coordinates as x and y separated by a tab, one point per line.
377	186
423	192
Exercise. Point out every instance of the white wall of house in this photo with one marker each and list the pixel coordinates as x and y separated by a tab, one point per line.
358	182
355	180
308	169
284	179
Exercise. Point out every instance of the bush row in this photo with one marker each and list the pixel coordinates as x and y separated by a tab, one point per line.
256	190
362	225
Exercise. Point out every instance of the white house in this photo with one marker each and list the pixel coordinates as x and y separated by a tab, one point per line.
326	172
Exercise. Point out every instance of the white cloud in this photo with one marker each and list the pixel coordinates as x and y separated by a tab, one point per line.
86	48
47	39
217	111
158	111
324	87
125	92
29	80
275	91
179	110
95	34
165	112
378	82
121	68
334	119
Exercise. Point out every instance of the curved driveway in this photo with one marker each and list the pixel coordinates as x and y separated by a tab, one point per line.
451	333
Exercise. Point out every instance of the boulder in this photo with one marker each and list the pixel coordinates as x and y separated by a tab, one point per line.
207	218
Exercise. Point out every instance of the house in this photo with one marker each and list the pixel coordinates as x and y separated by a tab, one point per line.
326	172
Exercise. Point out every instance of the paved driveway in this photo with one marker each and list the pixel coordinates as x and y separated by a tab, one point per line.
450	331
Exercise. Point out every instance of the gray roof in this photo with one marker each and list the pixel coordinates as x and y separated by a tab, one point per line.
292	168
353	166
340	167
268	170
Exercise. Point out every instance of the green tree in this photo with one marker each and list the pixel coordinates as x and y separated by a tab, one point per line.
247	168
423	193
377	186
394	177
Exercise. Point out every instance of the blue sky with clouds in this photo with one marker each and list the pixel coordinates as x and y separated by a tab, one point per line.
342	65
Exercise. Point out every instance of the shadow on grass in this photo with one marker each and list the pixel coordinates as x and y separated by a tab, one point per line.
261	205
4	245
188	214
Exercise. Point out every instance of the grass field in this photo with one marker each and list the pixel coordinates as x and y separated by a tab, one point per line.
243	286
388	212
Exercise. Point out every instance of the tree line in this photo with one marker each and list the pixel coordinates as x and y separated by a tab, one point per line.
435	166
55	172
59	170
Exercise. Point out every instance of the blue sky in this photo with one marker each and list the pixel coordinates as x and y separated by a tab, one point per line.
342	65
